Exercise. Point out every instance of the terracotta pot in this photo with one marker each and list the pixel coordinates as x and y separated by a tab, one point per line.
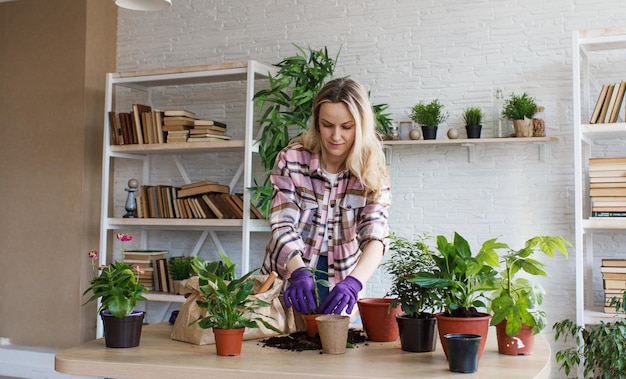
522	343
417	335
379	322
228	342
311	324
122	332
333	331
466	325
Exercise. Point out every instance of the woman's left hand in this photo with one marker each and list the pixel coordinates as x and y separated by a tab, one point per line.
344	295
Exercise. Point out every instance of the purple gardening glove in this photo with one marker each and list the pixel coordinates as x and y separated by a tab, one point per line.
344	295
300	292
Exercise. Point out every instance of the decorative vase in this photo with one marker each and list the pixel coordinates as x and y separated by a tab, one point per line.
522	343
429	131
473	131
122	332
311	324
417	335
466	325
462	351
523	128
228	342
379	321
333	331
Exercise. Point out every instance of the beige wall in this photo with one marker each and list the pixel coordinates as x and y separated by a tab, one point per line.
53	57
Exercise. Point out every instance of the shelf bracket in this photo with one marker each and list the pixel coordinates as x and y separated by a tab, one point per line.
388	154
542	151
471	151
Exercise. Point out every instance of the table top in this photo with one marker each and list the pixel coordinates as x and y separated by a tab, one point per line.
158	356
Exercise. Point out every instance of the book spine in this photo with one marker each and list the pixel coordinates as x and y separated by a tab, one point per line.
608	214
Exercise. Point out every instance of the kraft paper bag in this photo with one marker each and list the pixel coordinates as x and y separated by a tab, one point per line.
189	312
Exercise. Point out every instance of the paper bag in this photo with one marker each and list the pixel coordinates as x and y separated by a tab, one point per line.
190	312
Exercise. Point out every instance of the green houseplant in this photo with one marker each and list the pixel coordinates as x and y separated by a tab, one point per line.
180	270
417	324
227	301
473	117
515	300
429	116
118	288
521	110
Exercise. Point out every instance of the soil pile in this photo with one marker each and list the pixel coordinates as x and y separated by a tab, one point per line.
299	341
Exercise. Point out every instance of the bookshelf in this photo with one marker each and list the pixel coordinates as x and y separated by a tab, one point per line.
146	82
591	141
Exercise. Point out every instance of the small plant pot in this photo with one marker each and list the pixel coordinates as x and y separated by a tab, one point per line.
379	321
122	332
429	132
473	131
523	128
311	324
462	351
228	342
333	331
417	335
522	343
466	325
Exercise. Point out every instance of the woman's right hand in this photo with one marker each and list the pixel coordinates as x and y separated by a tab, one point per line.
301	291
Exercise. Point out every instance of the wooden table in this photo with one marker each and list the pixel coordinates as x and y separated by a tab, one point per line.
158	356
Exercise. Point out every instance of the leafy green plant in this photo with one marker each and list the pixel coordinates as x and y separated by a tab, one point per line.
226	299
383	120
408	257
117	284
431	114
600	348
517	107
473	116
180	267
286	106
516	299
466	278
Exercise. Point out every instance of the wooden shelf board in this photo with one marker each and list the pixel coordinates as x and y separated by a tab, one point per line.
604	131
164	297
594	316
467	141
604	223
176	224
180	147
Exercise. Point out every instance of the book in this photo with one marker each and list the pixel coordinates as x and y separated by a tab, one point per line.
213	206
614	275
145	255
607	160
607	173
231	205
612	270
197	184
218	125
607	184
192	139
608	262
614	284
116	138
607	214
596	111
138	109
618	191
197	135
157	122
611	106
202	189
618	102
179	112
605	104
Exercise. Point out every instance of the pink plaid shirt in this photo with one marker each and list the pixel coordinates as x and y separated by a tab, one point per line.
304	203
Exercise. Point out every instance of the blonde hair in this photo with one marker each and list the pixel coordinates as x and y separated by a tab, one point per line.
366	159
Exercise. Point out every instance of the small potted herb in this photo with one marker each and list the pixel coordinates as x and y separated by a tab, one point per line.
473	118
429	116
521	110
180	270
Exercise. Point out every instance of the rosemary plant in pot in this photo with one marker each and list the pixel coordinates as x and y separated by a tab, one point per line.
429	116
118	288
473	118
417	323
521	110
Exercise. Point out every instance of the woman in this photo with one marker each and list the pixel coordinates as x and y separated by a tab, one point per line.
330	204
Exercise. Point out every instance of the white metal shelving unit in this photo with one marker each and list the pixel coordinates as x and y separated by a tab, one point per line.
585	44
147	81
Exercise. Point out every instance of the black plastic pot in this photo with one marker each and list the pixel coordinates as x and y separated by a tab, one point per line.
473	131
462	352
417	335
122	332
429	131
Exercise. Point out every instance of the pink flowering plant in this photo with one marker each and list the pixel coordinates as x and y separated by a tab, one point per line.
117	284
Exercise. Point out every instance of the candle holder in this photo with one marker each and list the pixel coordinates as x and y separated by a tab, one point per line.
131	204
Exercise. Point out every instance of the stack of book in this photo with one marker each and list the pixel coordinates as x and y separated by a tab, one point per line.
145	260
207	130
162	279
608	104
607	187
177	123
614	281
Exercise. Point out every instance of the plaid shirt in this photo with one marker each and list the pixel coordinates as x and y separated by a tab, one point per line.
304	204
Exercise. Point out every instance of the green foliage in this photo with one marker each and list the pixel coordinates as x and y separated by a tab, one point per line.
180	267
473	116
408	257
517	107
383	120
119	288
516	299
287	104
430	114
227	300
466	278
601	347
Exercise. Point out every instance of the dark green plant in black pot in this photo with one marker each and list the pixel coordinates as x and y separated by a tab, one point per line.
429	116
473	118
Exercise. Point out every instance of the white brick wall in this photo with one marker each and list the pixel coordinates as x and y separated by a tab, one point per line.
405	51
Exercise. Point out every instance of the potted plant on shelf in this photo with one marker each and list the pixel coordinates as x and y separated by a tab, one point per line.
473	118
118	288
383	121
429	116
180	270
515	300
417	324
521	110
228	304
466	280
